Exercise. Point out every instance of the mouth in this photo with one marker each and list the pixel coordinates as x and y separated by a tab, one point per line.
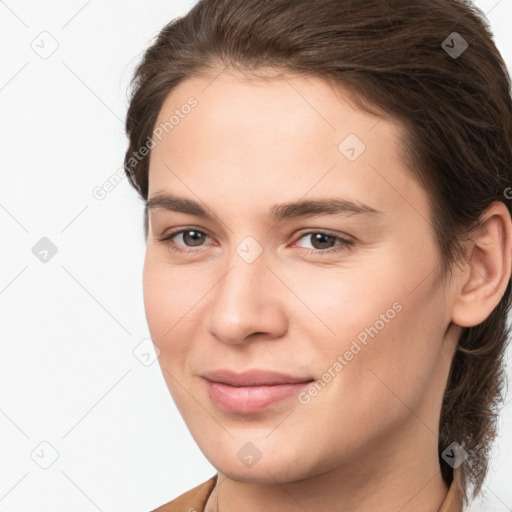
252	391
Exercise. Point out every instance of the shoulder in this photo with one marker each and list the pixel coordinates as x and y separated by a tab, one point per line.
193	500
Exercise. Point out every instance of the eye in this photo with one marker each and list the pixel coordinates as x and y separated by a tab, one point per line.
325	243
322	243
191	238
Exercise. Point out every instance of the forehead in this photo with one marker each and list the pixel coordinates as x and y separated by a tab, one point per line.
252	135
292	107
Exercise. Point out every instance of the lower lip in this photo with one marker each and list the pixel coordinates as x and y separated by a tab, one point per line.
251	399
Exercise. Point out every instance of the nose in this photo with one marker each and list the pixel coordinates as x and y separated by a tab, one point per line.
246	303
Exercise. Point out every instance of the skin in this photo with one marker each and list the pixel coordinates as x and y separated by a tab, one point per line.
368	441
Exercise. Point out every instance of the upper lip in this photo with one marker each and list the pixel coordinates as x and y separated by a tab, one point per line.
253	377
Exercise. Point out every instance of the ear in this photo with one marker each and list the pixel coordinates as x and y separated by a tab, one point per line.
486	272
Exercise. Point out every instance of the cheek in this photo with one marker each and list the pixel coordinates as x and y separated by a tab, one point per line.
155	289
168	302
339	303
387	330
392	371
171	302
163	299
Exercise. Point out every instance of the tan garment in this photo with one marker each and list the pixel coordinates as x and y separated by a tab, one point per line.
195	499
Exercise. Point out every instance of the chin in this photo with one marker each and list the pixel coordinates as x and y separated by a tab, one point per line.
272	463
263	472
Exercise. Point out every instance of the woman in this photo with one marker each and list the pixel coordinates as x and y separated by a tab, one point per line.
327	273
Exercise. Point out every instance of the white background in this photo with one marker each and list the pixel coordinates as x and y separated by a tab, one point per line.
69	327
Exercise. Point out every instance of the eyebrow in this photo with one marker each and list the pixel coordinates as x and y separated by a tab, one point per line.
301	208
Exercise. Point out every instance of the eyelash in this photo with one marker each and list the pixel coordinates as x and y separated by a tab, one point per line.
344	242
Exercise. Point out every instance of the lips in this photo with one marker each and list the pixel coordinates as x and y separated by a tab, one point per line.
251	391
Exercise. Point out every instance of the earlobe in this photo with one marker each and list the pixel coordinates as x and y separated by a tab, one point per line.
487	268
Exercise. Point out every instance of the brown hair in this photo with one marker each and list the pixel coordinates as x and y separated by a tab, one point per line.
397	58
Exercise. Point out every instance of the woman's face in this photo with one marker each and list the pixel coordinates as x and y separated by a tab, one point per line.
337	287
